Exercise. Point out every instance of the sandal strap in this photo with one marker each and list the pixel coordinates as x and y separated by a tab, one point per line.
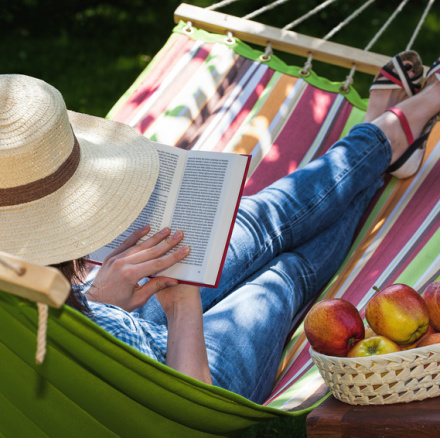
404	122
413	145
435	68
398	78
409	151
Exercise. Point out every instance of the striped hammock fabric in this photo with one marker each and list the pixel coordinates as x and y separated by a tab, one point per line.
200	92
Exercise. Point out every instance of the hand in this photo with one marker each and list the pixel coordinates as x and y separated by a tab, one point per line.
183	297
117	280
186	350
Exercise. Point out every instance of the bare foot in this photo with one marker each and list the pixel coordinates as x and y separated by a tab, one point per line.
393	84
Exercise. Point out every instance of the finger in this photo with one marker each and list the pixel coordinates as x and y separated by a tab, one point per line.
135	272
155	239
130	241
152	267
131	246
154	285
147	244
144	253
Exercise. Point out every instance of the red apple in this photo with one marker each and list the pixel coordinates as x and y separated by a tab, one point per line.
429	340
373	346
432	300
399	313
333	326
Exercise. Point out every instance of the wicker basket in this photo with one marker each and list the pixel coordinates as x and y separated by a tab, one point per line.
399	377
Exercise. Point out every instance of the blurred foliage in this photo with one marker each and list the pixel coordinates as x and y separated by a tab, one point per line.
92	50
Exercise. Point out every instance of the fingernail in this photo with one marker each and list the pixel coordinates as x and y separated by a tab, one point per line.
165	230
177	235
184	249
171	283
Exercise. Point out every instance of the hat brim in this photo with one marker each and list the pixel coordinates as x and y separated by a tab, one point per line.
116	175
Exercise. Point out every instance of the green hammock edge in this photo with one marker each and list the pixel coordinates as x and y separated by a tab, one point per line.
243	49
77	343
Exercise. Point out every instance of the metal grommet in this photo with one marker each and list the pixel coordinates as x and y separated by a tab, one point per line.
188	29
264	58
304	73
344	89
229	40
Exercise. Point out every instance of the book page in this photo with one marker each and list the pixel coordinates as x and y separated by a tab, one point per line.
158	211
225	218
208	194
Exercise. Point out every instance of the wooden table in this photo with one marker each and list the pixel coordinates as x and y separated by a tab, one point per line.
332	419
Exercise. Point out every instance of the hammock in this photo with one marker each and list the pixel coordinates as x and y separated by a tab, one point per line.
209	91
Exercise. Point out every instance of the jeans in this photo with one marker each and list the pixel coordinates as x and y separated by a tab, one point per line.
287	242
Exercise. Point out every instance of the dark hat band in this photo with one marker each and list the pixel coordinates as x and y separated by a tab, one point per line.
44	186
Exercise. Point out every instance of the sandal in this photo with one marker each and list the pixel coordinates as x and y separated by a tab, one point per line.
395	74
434	69
411	160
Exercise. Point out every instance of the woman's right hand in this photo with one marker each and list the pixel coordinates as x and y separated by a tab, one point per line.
117	279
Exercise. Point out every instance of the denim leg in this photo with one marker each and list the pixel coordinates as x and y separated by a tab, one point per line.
299	206
295	208
246	331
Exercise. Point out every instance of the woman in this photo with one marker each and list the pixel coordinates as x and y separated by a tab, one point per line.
71	183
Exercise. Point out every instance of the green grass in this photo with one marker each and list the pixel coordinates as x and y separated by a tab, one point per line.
92	52
90	74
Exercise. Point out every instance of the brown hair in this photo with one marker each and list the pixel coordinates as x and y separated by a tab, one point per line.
74	271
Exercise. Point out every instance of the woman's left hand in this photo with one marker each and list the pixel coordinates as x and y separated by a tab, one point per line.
186	349
117	279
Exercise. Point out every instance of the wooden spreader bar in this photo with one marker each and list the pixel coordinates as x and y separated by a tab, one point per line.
283	40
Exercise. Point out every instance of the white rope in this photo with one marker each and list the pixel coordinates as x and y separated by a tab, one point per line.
267	53
422	19
19	270
220	5
386	24
349	80
42	314
264	9
41	334
307	66
229	38
309	14
348	19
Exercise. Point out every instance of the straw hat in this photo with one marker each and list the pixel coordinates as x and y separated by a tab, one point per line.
69	183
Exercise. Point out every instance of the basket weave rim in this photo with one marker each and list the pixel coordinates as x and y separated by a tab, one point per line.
380	358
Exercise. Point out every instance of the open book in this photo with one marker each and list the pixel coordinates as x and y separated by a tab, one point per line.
197	192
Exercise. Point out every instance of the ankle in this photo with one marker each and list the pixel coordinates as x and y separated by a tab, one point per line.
390	125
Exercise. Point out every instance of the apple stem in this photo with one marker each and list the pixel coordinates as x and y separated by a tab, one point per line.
376	288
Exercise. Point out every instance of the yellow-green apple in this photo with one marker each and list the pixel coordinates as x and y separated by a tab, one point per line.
333	326
432	300
429	340
399	313
373	346
430	331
